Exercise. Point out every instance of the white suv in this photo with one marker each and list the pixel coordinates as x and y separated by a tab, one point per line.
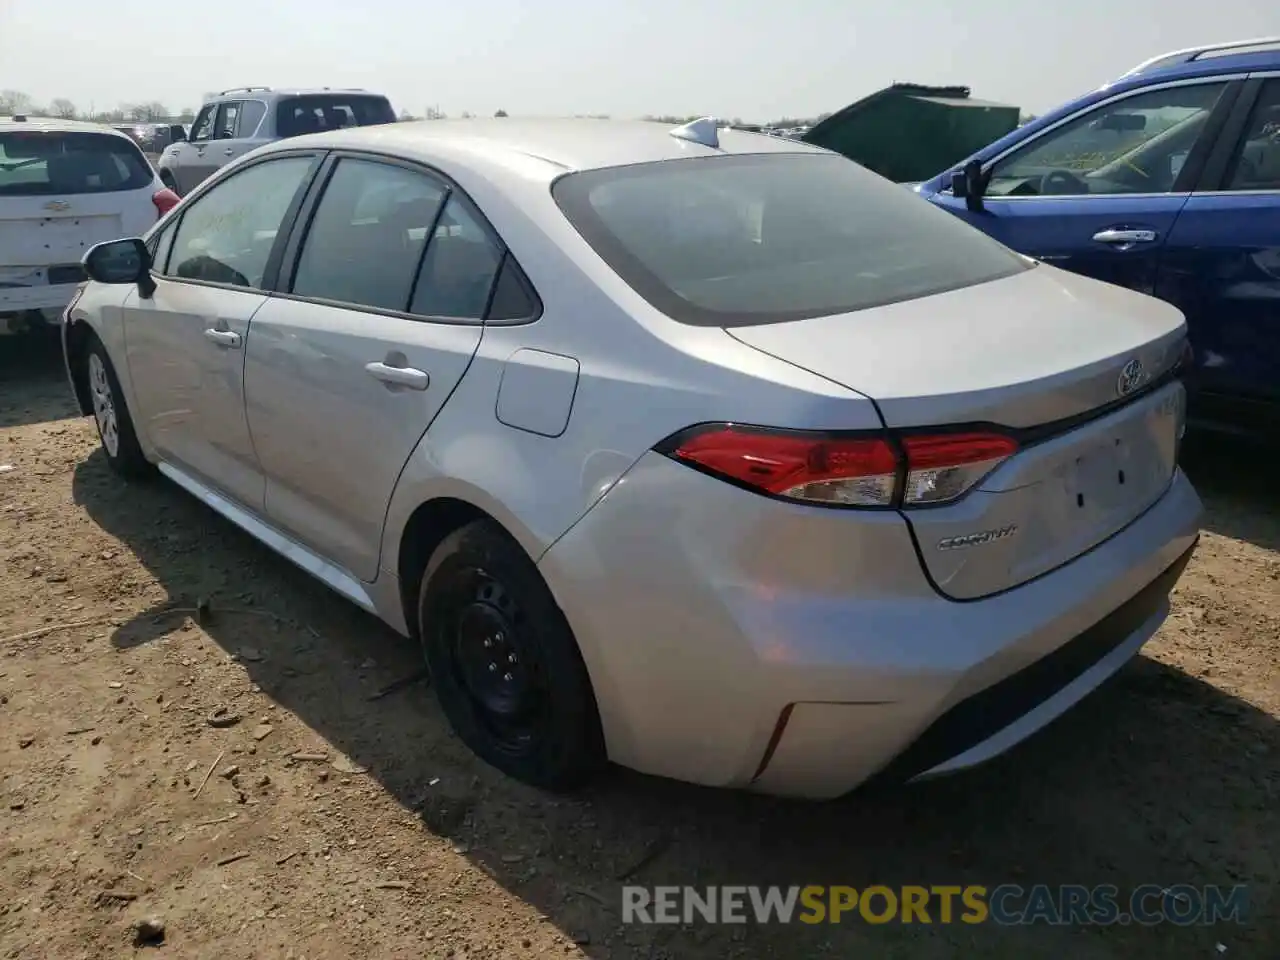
65	186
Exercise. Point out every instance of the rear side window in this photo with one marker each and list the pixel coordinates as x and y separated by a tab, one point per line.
36	163
314	113
251	114
368	234
740	240
458	270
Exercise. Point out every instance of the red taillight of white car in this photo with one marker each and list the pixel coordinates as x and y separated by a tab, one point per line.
165	200
914	470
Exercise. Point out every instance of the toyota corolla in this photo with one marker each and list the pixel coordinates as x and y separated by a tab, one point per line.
701	451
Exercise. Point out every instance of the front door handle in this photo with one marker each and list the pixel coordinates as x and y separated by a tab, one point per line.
229	151
398	376
1124	239
223	338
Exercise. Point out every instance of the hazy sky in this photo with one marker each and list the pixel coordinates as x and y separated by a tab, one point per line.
728	58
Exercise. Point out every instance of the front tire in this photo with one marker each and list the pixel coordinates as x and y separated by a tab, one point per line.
506	666
115	426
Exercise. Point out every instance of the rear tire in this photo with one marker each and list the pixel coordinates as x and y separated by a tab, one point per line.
506	666
115	426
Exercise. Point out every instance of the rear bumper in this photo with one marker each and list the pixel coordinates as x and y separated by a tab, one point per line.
736	641
987	723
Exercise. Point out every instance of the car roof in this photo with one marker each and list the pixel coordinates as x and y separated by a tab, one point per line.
54	125
557	146
275	93
1255	53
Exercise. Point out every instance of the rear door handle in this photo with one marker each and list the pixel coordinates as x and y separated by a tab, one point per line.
398	376
1125	238
223	338
229	151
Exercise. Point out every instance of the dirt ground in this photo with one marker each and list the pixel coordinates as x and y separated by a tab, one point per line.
391	840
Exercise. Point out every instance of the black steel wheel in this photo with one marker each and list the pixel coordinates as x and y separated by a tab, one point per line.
506	667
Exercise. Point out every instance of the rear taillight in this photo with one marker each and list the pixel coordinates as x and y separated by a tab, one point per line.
165	200
859	471
943	467
847	471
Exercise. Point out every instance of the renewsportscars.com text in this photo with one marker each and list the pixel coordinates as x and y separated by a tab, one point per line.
1006	904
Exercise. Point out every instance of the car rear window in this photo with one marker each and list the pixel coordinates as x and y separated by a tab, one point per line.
38	162
314	113
739	240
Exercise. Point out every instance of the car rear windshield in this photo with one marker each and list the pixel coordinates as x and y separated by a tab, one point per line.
740	240
37	162
317	112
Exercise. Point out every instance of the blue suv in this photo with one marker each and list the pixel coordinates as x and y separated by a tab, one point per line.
1166	181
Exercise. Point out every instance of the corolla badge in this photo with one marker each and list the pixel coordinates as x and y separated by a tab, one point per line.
57	205
1132	376
974	539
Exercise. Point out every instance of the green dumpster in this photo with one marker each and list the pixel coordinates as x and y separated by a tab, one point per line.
908	132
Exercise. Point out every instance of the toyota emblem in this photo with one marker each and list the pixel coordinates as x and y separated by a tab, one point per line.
1132	376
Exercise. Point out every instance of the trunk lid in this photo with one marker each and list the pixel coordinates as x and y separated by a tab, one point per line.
1047	356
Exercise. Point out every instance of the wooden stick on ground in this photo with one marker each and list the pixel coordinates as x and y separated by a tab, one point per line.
212	767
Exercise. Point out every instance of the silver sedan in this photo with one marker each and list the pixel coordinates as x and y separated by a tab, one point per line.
709	453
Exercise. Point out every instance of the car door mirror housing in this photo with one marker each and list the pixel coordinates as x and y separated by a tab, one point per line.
176	133
968	184
121	261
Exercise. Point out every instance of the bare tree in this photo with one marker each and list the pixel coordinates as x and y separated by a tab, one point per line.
406	116
466	114
500	113
15	101
146	112
62	108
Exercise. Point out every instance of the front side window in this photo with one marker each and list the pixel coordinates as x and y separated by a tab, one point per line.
1257	162
368	234
159	247
227	233
738	240
228	116
38	163
1135	145
202	129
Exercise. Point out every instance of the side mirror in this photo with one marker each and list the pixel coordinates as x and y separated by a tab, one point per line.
969	184
176	133
119	262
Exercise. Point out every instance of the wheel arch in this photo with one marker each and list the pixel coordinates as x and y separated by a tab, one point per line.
424	530
77	336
